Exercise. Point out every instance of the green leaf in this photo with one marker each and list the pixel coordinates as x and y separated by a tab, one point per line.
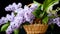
4	27
37	12
15	14
16	31
36	2
41	14
48	3
45	20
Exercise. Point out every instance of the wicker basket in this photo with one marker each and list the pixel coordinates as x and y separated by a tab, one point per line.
35	28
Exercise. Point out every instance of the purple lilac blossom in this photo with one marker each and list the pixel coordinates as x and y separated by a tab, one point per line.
9	30
29	16
34	6
3	20
18	10
19	5
10	17
15	24
50	21
57	21
7	9
26	7
0	22
22	16
13	7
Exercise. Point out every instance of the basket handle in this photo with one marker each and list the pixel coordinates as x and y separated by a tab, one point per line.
30	4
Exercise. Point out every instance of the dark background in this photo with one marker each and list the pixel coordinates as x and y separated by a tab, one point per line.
4	3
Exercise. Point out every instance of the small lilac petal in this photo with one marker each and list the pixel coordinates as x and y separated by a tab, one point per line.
14	4
0	22
9	17
9	30
26	7
14	7
7	9
34	6
6	20
50	21
19	5
58	24
18	10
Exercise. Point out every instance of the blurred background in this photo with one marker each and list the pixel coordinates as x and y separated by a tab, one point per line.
4	3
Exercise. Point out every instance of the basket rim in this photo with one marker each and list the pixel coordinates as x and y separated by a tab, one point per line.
36	25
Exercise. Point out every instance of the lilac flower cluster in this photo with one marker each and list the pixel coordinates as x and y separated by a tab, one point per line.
54	21
8	17
3	20
57	21
13	7
23	14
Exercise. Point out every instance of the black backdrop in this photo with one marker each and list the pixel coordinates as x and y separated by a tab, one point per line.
4	3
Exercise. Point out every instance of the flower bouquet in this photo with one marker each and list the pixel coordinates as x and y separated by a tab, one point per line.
36	14
40	23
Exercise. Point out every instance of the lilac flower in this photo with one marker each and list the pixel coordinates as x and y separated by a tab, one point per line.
58	24
12	27
15	24
34	6
3	20
22	16
50	21
14	4
9	30
29	16
7	9
0	22
10	17
18	10
26	8
19	5
57	21
14	7
11	7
